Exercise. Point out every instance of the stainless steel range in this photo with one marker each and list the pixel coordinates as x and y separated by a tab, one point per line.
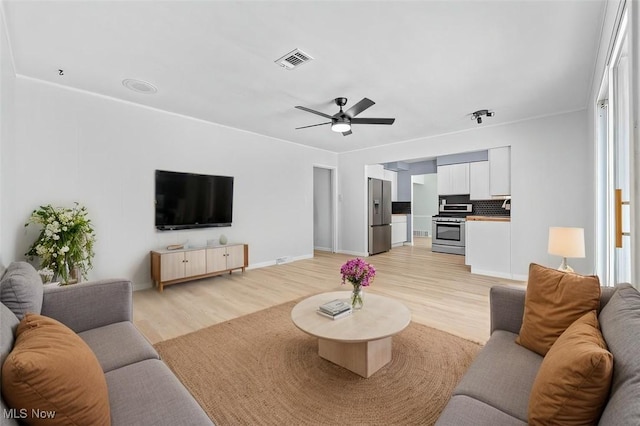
448	235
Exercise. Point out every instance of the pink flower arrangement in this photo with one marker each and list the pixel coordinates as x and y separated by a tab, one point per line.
358	272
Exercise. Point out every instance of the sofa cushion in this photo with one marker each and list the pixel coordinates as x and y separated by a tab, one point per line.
574	378
147	393
117	345
464	410
53	370
8	324
554	300
620	325
502	375
21	289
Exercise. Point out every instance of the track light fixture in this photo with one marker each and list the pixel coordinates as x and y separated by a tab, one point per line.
477	115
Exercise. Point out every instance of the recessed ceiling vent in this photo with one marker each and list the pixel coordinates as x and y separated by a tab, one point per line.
294	59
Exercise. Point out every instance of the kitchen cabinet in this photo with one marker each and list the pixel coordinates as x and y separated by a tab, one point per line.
453	179
479	180
176	266
488	247
398	229
500	171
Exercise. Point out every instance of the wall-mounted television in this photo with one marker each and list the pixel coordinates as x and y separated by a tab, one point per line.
189	200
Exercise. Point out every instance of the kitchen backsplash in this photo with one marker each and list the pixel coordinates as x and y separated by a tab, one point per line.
489	208
480	207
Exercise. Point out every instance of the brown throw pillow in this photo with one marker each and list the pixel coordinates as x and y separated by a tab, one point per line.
574	379
52	371
554	300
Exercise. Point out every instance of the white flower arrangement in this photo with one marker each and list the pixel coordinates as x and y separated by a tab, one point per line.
65	242
46	274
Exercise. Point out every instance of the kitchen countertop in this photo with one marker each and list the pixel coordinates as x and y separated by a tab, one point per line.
490	218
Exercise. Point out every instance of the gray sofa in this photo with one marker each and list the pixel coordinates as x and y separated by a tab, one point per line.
142	389
496	388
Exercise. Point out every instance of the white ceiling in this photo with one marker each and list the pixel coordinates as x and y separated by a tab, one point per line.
426	63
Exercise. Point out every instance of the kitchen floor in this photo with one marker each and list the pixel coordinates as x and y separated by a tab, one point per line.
423	242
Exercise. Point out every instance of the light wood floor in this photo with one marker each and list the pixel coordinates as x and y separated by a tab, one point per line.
438	289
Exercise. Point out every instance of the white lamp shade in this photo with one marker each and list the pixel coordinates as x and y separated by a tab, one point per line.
566	242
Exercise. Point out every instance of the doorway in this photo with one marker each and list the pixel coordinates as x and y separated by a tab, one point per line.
324	212
424	202
614	167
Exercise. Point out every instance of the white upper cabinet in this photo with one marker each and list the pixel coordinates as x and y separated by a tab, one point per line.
479	185
453	179
500	171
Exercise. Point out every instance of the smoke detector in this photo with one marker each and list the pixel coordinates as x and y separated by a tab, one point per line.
294	59
139	86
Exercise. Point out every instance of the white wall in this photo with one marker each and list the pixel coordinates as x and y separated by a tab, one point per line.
7	87
550	184
73	146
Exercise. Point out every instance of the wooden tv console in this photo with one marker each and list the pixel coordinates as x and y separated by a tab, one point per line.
177	266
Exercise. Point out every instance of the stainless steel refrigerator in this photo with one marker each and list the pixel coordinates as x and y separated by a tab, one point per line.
379	216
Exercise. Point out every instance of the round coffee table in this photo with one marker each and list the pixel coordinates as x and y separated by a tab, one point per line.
360	342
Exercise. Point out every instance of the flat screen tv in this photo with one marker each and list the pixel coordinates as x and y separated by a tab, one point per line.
189	200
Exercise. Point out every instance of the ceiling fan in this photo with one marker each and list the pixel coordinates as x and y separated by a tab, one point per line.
342	120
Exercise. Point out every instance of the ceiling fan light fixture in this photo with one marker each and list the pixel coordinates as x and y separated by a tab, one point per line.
341	121
340	126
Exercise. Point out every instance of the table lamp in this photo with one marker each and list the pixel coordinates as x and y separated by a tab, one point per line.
566	242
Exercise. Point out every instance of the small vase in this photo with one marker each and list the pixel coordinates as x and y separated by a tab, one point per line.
357	298
75	275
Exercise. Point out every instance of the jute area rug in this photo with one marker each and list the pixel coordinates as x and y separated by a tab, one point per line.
260	369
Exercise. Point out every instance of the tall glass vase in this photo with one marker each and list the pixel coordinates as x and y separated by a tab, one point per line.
357	298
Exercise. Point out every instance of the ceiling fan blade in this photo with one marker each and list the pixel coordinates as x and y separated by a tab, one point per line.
372	120
314	111
313	125
347	133
359	107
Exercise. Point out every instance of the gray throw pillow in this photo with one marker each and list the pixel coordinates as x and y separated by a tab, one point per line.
8	324
21	289
620	325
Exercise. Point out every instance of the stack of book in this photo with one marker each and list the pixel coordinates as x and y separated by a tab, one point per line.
335	309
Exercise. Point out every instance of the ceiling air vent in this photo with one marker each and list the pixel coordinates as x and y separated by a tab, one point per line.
294	59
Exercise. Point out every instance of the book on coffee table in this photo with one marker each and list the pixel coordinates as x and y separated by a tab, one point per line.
336	316
335	307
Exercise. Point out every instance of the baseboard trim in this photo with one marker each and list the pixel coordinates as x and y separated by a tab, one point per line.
142	286
275	261
323	249
496	274
506	275
353	253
